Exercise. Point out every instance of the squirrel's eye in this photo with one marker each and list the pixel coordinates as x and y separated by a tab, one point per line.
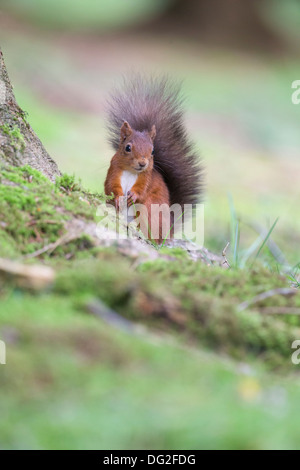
128	148
152	153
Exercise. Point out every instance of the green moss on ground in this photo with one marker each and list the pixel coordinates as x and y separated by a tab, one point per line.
33	211
194	304
67	371
176	294
73	382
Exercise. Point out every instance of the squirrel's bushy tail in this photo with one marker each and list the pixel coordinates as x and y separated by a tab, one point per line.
143	102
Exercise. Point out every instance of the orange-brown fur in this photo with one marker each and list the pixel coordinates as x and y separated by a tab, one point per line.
149	187
174	175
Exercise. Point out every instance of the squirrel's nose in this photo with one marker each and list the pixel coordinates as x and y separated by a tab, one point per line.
142	164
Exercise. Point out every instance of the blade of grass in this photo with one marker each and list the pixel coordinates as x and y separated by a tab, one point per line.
249	252
265	241
236	244
233	219
275	251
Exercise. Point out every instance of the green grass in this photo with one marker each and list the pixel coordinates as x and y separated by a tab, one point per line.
212	376
78	383
114	377
73	382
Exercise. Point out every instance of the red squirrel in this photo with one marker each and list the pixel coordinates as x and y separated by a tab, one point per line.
154	161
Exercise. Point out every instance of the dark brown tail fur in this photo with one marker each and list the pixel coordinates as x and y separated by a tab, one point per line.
143	102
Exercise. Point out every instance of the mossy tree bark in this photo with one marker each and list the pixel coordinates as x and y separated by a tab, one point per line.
19	145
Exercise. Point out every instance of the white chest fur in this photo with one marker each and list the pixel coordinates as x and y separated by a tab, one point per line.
127	181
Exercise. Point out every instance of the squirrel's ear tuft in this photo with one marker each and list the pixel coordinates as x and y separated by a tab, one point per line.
152	133
126	131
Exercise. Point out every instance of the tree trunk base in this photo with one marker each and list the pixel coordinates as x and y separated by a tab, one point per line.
19	145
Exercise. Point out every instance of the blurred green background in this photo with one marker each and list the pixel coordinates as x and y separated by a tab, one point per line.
237	61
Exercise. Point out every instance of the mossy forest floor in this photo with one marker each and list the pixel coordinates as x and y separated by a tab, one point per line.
171	359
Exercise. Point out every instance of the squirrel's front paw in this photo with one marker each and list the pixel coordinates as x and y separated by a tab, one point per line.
118	202
131	198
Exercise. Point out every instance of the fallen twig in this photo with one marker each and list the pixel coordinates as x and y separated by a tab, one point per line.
280	311
224	255
75	229
265	295
51	247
